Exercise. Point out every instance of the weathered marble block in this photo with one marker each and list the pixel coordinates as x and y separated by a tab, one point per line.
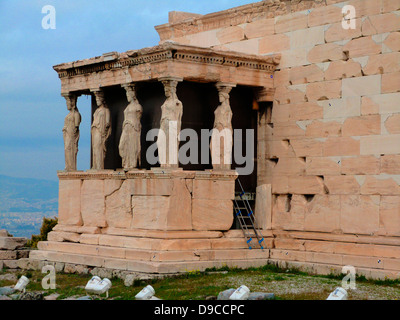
168	200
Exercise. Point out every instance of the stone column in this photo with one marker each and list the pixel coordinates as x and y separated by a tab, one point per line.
129	145
222	135
170	125
71	132
100	130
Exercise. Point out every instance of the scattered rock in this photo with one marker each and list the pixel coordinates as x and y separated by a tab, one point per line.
154	298
5	298
8	277
69	268
80	269
129	280
102	273
31	296
8	243
261	296
52	297
14	296
209	298
4	233
85	298
6	291
224	295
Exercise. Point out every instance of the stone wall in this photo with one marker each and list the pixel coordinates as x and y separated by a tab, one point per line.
11	250
332	141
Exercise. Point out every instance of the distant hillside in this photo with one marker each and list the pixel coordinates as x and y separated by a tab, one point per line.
24	202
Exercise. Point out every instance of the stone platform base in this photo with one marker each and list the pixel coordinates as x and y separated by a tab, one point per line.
160	252
153	251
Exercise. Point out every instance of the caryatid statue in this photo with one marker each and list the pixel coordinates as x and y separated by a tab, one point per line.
129	145
71	132
101	131
222	135
170	125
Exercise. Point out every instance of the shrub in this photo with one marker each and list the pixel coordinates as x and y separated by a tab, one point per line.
47	225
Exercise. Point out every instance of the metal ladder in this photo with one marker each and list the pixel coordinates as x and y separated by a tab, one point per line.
247	221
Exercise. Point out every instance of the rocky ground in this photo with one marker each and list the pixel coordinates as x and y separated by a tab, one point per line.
263	284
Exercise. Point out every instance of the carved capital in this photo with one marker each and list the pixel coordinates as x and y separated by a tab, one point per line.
71	99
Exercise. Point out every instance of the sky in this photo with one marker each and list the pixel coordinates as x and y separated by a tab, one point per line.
32	111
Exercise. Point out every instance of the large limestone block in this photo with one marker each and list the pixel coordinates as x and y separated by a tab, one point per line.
383	63
342	184
305	111
326	52
289	166
392	123
390	5
391	82
386	103
343	69
230	34
378	145
308	37
323	166
274	43
93	203
366	7
294	58
362	165
341	108
360	47
306	185
151	187
335	32
259	28
213	189
380	185
307	147
359	214
12	243
324	90
389	216
305	74
150	212
212	214
362	126
393	41
361	86
323	129
341	146
324	15
323	213
291	22
69	203
263	209
180	207
288	212
381	23
119	207
390	164
287	95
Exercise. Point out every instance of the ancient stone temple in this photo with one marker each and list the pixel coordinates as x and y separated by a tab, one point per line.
317	83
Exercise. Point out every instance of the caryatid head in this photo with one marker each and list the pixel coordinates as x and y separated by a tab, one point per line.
100	100
223	93
71	101
130	93
170	88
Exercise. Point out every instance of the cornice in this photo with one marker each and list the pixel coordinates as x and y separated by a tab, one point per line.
168	51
